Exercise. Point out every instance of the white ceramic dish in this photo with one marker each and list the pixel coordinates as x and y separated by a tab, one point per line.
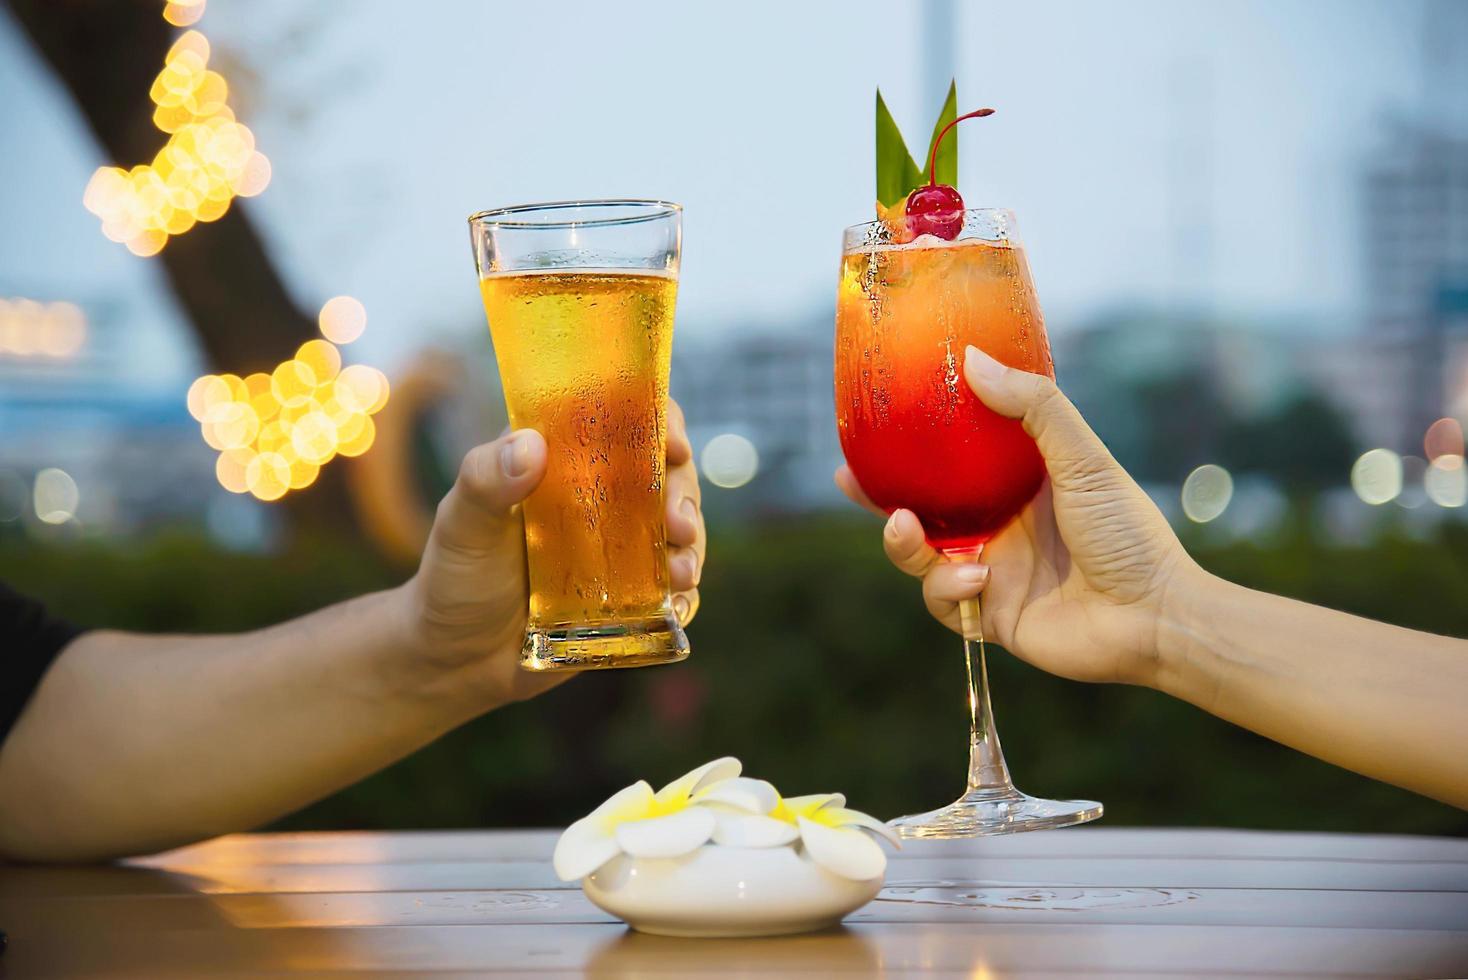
719	891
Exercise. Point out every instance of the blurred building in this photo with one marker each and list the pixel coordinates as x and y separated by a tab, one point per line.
1411	365
775	390
130	455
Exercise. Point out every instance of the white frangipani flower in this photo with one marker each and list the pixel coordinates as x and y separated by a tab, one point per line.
640	823
715	803
836	837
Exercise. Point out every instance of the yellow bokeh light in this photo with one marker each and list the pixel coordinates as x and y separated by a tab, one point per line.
231	425
361	388
254	175
361	442
351	428
324	360
182	13
230	468
314	437
273	436
292	383
208	158
268	476
238	391
303	474
206	393
275	431
342	319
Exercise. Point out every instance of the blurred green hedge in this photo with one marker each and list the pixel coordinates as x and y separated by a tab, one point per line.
815	663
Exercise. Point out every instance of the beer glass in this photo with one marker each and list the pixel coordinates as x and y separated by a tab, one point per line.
580	296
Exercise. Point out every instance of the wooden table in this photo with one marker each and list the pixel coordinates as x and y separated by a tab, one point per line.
1075	902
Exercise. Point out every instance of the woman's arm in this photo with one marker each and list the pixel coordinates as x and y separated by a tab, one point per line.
134	743
1089	582
1386	702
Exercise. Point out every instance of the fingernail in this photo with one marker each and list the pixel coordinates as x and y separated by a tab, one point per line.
891	529
979	365
681	608
972	574
515	457
689	510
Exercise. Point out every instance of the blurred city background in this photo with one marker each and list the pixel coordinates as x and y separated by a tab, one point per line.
1248	224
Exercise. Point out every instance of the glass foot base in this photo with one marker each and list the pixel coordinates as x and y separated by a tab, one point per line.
981	813
602	646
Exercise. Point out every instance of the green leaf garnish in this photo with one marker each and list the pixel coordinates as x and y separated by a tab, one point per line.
897	173
946	162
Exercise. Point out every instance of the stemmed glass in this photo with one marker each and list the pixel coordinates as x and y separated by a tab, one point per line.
916	437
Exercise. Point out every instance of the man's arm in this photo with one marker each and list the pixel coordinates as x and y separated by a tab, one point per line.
134	743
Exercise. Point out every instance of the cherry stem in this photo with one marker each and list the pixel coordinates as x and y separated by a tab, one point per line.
933	153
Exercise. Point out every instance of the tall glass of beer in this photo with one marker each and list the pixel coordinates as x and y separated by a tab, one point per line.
579	297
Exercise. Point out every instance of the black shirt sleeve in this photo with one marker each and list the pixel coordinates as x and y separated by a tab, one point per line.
29	640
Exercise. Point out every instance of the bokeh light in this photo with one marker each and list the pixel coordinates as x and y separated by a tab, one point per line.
1377	476
33	329
342	319
208	160
730	461
1446	481
1444	439
275	431
55	496
1414	483
1206	493
182	13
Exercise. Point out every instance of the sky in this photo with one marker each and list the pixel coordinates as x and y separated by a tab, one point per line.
1155	151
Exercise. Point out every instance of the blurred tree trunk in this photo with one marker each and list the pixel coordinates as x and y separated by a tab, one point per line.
106	54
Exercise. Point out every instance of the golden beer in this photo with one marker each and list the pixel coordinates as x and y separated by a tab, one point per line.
584	357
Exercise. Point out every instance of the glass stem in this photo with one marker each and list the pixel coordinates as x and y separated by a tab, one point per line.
987	772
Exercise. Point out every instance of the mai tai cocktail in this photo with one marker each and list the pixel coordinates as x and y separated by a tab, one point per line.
918	287
579	298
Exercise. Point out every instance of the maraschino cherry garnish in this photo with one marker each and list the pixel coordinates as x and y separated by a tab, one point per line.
937	209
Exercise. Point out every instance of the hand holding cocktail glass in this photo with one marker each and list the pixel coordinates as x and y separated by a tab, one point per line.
1075	584
918	287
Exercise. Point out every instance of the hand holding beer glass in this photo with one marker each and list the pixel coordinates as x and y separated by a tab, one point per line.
579	297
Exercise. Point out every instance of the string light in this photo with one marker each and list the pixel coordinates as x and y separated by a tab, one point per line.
275	431
208	160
